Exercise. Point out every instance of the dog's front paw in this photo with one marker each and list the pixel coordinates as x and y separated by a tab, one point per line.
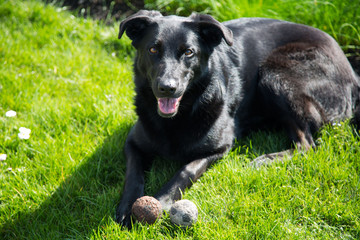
123	217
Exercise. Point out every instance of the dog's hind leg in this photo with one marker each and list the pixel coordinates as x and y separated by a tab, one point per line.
300	92
300	136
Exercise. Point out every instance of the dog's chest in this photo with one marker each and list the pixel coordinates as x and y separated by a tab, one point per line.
188	142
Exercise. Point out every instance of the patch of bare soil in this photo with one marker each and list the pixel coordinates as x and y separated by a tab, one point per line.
106	10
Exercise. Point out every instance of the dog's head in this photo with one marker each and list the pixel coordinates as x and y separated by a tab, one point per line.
172	51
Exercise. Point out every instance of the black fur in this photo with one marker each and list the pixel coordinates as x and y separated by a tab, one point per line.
200	84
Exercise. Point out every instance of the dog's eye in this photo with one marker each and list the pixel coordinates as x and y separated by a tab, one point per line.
153	50
189	52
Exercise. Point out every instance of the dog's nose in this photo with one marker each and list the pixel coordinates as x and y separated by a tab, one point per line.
167	87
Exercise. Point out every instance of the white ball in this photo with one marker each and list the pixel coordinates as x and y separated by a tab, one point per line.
183	213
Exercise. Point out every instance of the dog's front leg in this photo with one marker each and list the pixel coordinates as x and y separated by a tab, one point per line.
134	183
183	179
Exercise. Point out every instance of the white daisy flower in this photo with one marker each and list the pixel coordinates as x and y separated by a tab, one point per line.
10	113
3	157
23	136
24	133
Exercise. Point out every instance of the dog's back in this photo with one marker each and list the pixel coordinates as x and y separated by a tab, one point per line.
279	59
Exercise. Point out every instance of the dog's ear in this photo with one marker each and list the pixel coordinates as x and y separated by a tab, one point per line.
211	30
137	23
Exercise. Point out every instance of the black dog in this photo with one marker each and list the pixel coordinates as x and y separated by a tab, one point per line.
200	84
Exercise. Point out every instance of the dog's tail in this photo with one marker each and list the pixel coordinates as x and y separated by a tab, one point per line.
355	121
354	62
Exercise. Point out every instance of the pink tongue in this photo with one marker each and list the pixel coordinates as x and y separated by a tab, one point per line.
168	105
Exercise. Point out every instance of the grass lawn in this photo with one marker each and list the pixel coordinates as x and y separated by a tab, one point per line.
69	80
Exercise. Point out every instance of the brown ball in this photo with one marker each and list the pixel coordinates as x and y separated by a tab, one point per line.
146	209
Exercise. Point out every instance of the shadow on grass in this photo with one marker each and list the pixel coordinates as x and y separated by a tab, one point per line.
82	201
263	141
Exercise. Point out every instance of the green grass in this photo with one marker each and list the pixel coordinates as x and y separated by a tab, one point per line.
58	72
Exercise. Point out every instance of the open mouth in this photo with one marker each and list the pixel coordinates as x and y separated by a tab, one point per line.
168	107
